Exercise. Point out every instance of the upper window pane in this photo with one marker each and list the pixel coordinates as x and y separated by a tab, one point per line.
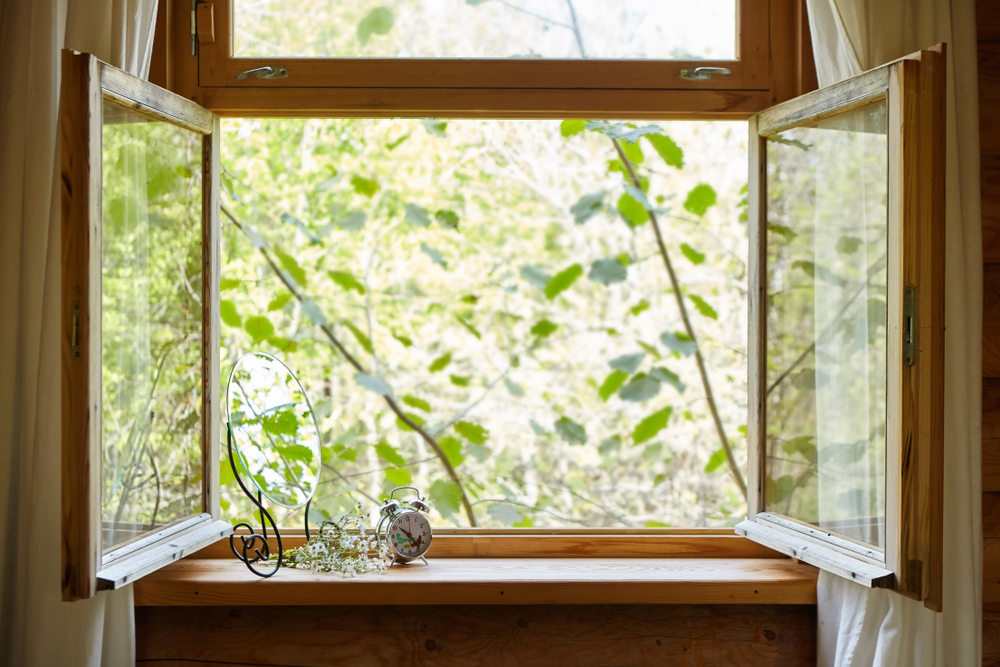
150	325
638	29
827	249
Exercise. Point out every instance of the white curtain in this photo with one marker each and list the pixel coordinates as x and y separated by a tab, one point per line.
858	627
36	626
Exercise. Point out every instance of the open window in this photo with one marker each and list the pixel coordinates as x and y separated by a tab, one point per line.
847	327
140	319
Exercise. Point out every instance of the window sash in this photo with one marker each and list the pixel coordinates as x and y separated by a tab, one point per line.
911	562
86	84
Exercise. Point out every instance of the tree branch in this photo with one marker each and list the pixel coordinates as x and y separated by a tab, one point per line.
689	329
390	401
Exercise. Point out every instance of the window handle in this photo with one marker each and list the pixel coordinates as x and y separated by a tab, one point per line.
704	73
268	72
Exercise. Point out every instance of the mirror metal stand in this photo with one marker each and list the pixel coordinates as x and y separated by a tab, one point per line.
263	552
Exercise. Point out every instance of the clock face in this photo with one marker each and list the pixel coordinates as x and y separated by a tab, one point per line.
409	535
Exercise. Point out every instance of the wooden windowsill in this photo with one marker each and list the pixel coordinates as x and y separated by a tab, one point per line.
490	581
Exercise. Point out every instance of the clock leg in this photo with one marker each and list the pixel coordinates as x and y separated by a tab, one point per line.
424	559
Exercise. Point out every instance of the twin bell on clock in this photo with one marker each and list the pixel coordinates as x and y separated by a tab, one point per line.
404	527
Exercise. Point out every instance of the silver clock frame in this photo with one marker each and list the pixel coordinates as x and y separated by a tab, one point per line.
394	509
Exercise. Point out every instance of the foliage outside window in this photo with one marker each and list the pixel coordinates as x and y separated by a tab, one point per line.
502	282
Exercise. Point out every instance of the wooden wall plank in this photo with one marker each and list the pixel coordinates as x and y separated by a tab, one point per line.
991	570
438	636
991	408
991	465
987	20
991	320
991	635
989	181
991	515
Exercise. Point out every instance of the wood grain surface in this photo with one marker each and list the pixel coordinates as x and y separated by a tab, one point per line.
480	636
465	581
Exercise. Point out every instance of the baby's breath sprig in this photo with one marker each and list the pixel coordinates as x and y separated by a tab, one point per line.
344	546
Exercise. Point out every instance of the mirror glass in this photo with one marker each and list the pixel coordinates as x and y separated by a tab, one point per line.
275	438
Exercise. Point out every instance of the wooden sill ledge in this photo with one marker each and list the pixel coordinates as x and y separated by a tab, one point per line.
490	581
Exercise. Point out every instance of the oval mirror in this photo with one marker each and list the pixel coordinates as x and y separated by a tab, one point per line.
275	437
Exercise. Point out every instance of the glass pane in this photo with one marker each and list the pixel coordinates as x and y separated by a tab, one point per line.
150	324
827	245
639	29
501	279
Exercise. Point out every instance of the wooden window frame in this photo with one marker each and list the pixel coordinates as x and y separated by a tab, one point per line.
86	84
912	560
774	64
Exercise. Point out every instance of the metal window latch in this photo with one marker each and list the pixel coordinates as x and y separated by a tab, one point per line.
276	72
704	73
909	325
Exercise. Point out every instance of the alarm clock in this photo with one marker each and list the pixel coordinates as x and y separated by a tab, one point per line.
404	527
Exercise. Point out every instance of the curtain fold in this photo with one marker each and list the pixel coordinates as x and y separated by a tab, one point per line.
860	627
36	626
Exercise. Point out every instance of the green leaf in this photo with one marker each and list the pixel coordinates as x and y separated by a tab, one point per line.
609	445
278	302
804	445
259	327
633	153
506	514
347	281
628	363
570	431
452	449
514	388
472	432
656	524
479	452
405	340
624	131
416	419
781	230
668	150
352	221
283	344
372	383
588	206
537	428
651	425
846	245
562	281
679	342
297	273
228	284
226	474
440	363
362	339
777	490
434	255
640	307
292	220
633	213
364	186
535	276
611	384
459	380
313	312
693	255
568	127
417	403
544	328
608	271
435	126
703	307
447	218
700	199
667	376
446	496
378	21
473	330
417	215
227	311
399	476
652	452
650	350
641	388
388	453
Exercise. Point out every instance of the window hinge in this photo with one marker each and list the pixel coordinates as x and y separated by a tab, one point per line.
910	325
205	21
194	28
